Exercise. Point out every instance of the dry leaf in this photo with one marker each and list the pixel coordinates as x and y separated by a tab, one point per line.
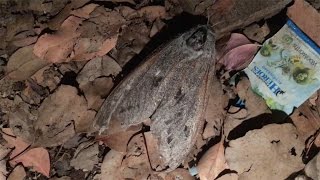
236	40
119	1
85	11
152	146
68	114
156	27
119	141
313	99
73	42
312	169
4	151
260	153
19	23
21	120
111	165
231	176
16	142
304	125
3	170
307	18
83	55
37	158
213	162
240	57
57	47
96	90
86	158
56	22
23	63
93	80
179	173
102	66
151	13
255	104
215	113
136	163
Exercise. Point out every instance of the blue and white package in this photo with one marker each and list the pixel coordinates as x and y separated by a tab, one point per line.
286	70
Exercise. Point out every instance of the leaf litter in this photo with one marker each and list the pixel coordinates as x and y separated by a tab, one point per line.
61	59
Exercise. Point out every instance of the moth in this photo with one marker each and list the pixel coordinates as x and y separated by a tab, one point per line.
170	88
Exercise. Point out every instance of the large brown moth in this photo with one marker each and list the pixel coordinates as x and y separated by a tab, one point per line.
170	88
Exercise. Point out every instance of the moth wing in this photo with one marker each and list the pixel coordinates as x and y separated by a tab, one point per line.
137	96
180	114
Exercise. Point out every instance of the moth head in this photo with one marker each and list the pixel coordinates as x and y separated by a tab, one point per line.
198	38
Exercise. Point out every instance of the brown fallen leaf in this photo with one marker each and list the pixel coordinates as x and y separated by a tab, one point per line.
57	47
82	55
152	146
150	13
156	27
37	158
119	140
230	176
3	170
179	173
67	116
119	1
304	125
94	81
307	18
235	40
4	151
18	173
86	156
313	99
239	57
111	165
255	104
19	23
16	142
215	113
228	15
85	11
21	119
213	162
56	22
260	153
98	67
136	163
312	168
92	31
96	90
23	63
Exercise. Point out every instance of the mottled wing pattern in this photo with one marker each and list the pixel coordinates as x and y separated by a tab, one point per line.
170	88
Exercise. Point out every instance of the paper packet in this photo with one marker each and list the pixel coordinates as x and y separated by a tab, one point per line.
286	70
